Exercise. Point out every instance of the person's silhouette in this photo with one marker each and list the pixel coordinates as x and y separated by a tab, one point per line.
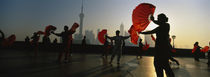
162	46
65	39
106	48
118	40
35	42
140	52
1	38
197	51
209	55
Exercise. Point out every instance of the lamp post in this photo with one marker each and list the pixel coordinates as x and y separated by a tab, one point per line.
173	37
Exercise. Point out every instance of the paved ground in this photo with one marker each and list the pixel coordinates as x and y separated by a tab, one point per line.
14	63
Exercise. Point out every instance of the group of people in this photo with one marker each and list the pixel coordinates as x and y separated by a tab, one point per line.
162	45
197	53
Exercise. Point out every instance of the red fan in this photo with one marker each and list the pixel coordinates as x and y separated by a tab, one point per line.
205	49
141	14
101	36
9	41
73	29
48	29
134	35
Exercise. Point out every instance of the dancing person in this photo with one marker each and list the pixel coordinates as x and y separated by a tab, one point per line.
65	40
35	42
118	40
106	48
196	53
162	46
1	38
209	55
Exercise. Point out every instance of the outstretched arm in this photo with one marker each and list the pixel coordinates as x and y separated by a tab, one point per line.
2	34
126	37
111	38
57	34
150	32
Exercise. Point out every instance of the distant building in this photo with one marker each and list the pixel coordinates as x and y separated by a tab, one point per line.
90	37
78	37
121	29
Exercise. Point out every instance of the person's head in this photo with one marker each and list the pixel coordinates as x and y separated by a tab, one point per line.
117	32
162	18
196	43
66	28
84	37
140	40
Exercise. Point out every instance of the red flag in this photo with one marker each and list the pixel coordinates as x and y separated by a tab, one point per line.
101	36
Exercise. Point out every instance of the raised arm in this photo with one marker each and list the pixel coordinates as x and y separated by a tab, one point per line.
155	21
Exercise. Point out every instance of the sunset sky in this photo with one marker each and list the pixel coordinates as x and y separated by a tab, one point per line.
189	19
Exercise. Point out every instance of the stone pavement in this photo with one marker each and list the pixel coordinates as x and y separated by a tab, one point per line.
14	63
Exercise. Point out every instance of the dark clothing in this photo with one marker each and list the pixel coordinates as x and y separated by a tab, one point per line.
162	49
35	40
65	37
197	53
1	38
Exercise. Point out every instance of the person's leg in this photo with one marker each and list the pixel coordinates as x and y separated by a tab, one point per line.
158	69
119	53
113	55
168	69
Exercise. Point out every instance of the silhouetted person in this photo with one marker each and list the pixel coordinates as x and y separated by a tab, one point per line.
197	51
162	46
118	40
65	40
84	44
27	42
46	41
140	52
106	48
1	38
55	41
209	55
34	43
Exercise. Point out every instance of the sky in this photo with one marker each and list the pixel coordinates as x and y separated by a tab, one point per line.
188	19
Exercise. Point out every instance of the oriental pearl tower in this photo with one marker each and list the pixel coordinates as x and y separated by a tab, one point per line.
81	16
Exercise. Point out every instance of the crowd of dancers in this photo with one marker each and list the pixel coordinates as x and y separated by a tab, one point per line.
116	43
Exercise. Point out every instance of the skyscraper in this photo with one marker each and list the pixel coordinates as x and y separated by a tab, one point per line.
79	37
81	16
121	29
